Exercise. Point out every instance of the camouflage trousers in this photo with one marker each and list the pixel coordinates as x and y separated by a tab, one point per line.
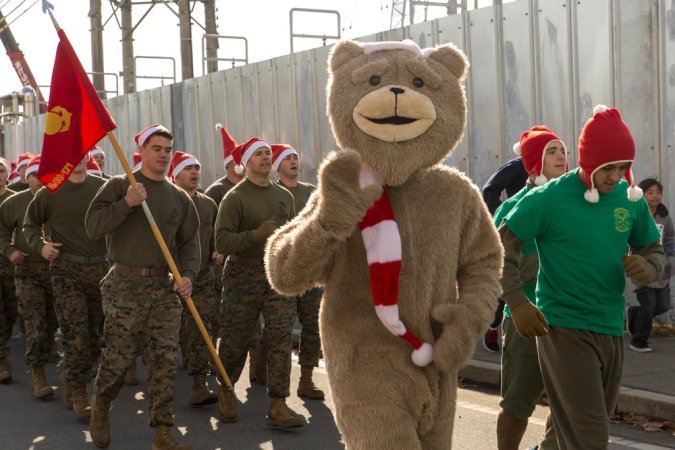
78	309
35	301
142	316
194	348
8	307
308	316
246	294
217	325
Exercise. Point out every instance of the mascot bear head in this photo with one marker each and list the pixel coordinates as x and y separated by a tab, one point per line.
400	107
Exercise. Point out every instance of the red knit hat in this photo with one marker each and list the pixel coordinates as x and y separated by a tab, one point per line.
180	161
93	168
228	144
145	133
532	148
606	139
138	161
33	165
24	159
279	152
243	152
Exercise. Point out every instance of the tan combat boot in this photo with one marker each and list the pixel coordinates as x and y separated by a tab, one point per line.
281	415
131	377
201	395
40	387
67	391
80	401
306	387
99	422
227	405
5	372
164	441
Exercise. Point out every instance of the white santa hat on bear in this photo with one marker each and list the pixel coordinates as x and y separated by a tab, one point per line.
606	139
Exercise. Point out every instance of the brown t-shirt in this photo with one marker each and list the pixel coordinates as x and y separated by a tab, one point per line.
63	212
129	236
218	189
301	193
12	212
207	211
245	208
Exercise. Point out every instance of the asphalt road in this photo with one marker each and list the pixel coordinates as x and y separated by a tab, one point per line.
28	423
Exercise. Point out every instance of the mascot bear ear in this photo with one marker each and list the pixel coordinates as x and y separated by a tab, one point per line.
342	52
452	58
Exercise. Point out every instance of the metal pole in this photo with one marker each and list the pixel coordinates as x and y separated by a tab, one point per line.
128	68
211	28
185	23
97	67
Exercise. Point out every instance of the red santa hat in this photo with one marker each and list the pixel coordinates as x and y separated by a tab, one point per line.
93	168
96	151
229	144
279	152
243	152
138	160
24	159
144	134
606	139
382	240
180	161
33	165
532	148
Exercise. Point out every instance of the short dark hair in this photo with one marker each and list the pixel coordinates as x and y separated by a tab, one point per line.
648	183
167	134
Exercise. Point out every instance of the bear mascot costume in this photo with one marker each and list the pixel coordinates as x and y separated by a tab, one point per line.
404	246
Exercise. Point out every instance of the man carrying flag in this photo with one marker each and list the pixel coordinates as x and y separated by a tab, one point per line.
78	263
139	295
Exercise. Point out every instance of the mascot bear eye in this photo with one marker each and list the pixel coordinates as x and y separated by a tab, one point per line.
418	82
374	80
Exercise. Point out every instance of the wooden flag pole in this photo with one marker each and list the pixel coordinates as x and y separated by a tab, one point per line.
170	261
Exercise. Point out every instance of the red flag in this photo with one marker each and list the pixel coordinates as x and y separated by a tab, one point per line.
76	118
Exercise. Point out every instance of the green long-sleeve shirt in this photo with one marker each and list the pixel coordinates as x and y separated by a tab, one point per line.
207	211
12	213
245	208
301	193
63	211
219	188
129	236
18	186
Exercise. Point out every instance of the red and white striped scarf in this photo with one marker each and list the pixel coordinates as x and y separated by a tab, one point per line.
383	250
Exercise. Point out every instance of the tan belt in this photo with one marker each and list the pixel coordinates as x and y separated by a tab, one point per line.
248	261
141	271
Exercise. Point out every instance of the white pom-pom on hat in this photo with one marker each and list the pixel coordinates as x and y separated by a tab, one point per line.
592	196
239	168
219	126
423	355
599	108
516	148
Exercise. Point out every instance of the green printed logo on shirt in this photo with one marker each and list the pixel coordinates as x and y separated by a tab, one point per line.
621	220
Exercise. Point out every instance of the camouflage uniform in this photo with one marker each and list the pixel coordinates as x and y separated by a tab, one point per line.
216	191
308	304
75	274
142	313
246	291
8	306
33	286
203	293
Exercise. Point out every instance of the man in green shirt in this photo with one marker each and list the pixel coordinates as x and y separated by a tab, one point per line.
141	309
32	281
8	309
248	215
590	228
286	162
545	158
185	172
78	263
